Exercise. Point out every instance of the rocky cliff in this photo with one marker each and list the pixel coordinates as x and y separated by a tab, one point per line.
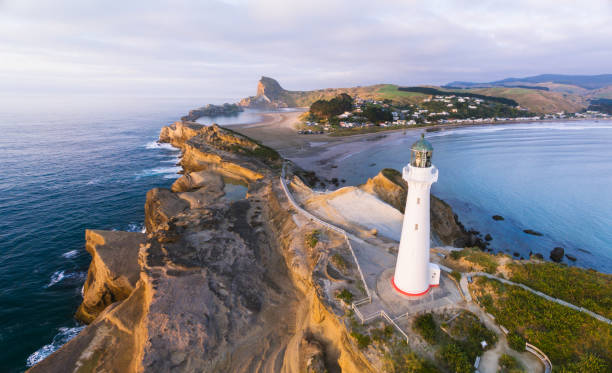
270	95
392	188
216	284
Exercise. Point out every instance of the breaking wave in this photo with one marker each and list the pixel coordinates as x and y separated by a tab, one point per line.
60	339
167	172
70	254
136	227
158	145
59	276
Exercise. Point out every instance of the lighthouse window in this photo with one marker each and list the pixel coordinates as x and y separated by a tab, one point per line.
418	201
416	227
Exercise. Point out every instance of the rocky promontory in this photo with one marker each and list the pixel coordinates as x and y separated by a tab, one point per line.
211	110
217	283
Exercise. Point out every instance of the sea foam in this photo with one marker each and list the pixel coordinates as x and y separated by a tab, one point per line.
70	254
158	145
62	337
59	276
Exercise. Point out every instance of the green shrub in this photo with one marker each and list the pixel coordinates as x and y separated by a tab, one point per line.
345	295
454	356
456	275
383	334
425	325
516	341
509	364
402	360
456	254
312	238
363	341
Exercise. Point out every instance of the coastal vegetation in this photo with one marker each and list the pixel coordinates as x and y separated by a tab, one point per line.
345	295
509	364
329	108
476	259
312	238
458	340
566	336
583	287
340	263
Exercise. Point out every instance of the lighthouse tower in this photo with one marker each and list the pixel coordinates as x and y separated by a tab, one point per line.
414	274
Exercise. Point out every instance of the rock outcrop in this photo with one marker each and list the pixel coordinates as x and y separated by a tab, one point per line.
556	254
212	111
389	186
215	285
114	270
270	95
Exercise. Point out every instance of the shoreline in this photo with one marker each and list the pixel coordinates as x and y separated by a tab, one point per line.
322	154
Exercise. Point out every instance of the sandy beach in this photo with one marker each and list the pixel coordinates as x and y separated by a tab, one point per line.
320	153
315	152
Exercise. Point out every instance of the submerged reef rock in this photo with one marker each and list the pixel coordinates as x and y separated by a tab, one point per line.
532	232
556	255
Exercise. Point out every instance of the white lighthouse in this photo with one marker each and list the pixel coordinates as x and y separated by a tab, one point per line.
414	274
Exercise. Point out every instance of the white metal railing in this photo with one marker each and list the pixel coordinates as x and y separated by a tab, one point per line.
310	216
540	355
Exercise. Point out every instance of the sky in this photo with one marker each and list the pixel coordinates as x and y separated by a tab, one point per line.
208	48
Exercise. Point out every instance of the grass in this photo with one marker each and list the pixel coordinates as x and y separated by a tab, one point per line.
583	287
362	130
312	238
340	263
390	91
565	335
474	255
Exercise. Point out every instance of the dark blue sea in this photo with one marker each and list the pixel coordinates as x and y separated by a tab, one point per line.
64	168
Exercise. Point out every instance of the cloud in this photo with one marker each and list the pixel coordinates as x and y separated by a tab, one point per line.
208	48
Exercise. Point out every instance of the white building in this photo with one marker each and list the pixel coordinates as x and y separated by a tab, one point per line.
414	274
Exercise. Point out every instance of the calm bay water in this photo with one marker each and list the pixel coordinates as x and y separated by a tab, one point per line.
63	171
555	178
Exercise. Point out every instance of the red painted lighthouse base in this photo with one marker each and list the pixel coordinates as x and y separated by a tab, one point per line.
410	294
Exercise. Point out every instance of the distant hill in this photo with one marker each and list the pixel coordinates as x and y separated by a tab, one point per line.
589	82
270	94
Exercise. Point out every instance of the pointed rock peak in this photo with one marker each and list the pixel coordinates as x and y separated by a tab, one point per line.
269	87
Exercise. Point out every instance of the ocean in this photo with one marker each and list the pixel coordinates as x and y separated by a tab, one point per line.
554	178
65	168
